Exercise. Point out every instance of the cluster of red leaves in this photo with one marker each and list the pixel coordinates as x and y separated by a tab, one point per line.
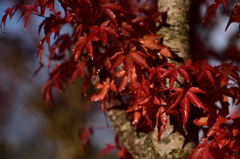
122	48
234	16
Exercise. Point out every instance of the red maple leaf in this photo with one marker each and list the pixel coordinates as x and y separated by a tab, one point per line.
51	25
29	9
10	12
201	151
204	70
148	41
235	14
40	47
80	44
172	72
103	90
140	88
212	11
227	71
48	4
128	57
26	10
184	98
216	125
123	81
84	134
108	10
108	149
79	70
151	42
162	121
102	32
59	75
158	71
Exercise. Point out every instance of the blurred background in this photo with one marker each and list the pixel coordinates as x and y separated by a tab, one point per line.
28	129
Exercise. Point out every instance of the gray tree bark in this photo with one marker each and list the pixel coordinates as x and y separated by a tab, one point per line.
146	146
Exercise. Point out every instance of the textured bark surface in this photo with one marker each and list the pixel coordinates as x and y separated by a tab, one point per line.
146	146
177	34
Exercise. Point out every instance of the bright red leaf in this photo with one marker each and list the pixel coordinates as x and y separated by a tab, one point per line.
201	151
107	149
103	90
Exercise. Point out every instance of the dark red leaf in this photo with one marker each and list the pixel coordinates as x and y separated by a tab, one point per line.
80	70
40	47
48	4
211	10
184	74
128	67
184	99
184	110
206	71
28	11
4	18
39	68
114	6
139	59
10	12
102	36
85	84
102	32
225	3
111	16
89	49
117	61
173	78
194	100
162	121
77	50
84	134
235	14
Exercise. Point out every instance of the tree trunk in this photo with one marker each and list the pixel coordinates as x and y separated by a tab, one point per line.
146	146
